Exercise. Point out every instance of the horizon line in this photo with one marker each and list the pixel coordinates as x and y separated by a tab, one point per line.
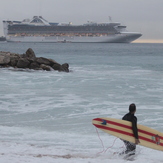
148	41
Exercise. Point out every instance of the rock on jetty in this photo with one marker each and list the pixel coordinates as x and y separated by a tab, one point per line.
30	61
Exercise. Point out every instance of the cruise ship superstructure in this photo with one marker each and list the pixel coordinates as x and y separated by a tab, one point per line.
40	30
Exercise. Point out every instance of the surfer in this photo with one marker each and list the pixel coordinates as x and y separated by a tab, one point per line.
131	147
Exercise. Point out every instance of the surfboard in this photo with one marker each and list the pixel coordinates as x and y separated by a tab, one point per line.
122	129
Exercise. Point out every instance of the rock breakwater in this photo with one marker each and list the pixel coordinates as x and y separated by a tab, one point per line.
30	61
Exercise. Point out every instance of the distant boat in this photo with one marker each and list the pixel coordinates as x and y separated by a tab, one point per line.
2	38
40	30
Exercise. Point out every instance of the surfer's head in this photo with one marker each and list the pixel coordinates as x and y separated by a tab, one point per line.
132	108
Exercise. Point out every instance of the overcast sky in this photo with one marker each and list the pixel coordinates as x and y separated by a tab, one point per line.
145	16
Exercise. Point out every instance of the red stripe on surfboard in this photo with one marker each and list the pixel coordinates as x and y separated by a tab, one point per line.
126	126
149	133
114	130
114	123
125	133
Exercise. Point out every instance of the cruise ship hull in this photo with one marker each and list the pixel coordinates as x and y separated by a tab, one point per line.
116	38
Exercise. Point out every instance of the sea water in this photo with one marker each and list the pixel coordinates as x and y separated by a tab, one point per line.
47	116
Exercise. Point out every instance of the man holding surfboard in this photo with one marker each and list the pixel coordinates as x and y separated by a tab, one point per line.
130	132
130	147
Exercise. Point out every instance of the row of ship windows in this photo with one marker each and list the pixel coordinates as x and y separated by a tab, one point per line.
60	28
54	33
62	34
59	31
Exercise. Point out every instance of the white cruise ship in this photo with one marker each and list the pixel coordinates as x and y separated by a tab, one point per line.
40	30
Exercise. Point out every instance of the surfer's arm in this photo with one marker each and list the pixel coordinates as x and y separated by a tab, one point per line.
135	131
134	128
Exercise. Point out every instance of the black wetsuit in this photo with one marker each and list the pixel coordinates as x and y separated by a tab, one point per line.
130	147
